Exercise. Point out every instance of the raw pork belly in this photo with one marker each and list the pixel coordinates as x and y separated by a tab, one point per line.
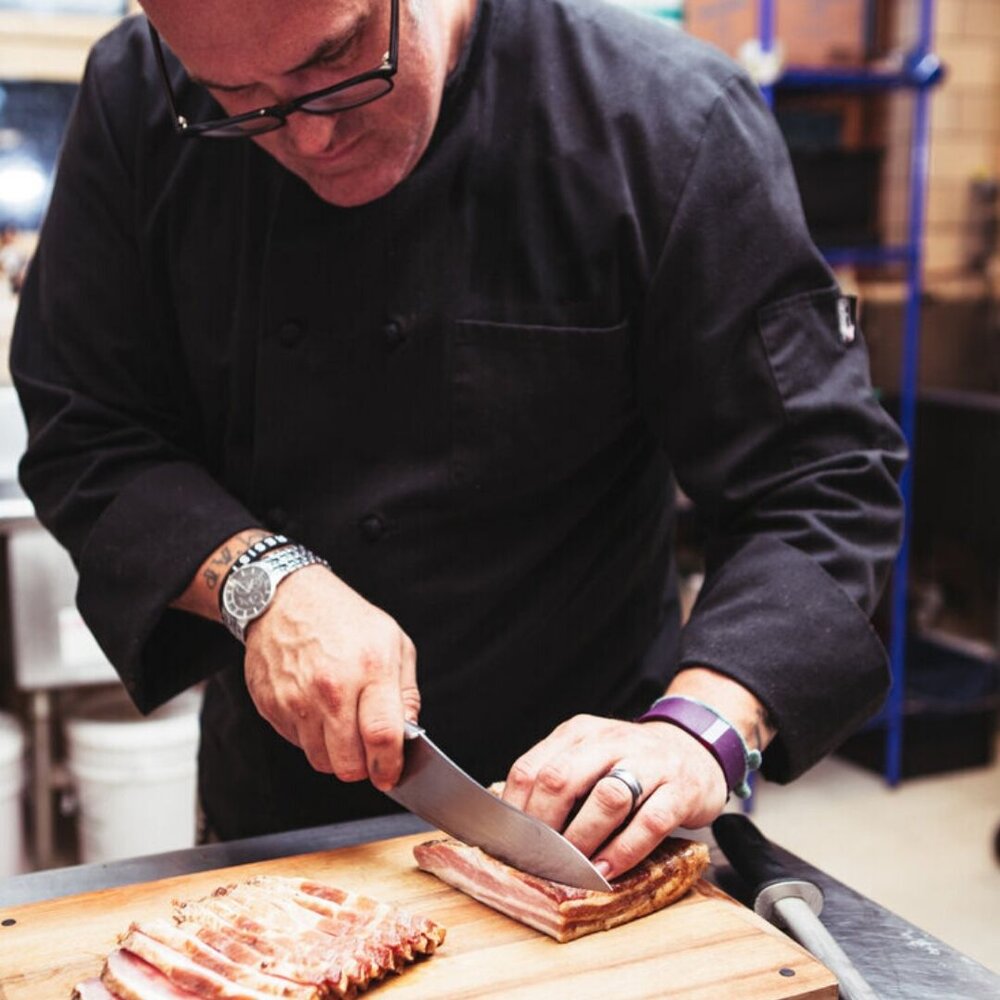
561	911
264	939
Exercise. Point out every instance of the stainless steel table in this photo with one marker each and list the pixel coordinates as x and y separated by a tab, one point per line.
900	961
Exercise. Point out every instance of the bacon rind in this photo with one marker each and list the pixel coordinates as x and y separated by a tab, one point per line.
561	911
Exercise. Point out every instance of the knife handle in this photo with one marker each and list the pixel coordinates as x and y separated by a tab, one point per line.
754	858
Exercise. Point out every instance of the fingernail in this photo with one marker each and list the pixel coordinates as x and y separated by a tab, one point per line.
603	866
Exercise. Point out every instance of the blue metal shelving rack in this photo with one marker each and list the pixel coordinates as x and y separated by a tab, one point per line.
920	71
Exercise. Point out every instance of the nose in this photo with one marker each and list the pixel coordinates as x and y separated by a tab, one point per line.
309	135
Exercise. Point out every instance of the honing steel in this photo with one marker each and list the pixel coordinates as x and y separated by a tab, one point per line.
790	903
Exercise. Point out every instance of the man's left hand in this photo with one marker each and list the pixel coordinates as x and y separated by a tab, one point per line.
682	785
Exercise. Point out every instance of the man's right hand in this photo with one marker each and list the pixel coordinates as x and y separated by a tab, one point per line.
331	672
334	675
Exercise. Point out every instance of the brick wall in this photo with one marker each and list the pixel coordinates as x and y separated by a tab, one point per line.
965	131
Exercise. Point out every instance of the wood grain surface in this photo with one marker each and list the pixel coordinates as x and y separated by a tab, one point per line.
704	947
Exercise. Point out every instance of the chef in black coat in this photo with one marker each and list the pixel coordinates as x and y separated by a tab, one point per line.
426	307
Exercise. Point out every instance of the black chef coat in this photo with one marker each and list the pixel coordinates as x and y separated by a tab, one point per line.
473	396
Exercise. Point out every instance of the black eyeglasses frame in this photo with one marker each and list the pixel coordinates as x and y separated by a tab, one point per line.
276	115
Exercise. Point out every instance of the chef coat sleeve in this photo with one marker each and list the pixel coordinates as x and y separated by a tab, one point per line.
112	463
755	376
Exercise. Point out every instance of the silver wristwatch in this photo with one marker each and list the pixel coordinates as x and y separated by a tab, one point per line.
248	589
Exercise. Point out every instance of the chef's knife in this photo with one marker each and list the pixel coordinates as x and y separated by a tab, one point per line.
440	792
787	901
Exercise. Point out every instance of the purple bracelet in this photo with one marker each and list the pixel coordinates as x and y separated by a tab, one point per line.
714	733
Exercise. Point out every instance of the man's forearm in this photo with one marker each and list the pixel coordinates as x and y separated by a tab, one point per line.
731	699
201	596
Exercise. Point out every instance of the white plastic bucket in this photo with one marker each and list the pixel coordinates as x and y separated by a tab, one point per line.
135	776
12	859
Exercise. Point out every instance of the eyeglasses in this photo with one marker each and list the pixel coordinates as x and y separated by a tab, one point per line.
350	93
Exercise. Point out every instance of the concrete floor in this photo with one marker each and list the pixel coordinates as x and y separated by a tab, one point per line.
923	849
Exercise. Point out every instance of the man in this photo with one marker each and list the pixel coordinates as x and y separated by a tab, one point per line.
457	339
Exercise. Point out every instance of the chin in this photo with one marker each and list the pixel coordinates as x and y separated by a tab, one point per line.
356	187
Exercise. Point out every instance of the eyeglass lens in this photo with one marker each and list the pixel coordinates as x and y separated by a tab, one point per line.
350	97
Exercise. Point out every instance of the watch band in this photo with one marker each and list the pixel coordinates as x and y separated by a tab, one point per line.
281	562
277	564
714	733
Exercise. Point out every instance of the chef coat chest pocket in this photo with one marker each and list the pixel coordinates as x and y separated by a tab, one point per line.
531	404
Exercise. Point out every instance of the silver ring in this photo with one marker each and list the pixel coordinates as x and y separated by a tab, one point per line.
630	781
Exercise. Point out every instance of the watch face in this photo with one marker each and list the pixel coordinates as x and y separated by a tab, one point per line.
247	592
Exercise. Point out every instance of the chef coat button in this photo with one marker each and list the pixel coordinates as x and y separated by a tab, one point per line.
371	527
394	334
290	333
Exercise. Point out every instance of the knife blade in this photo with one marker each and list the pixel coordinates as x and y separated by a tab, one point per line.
435	788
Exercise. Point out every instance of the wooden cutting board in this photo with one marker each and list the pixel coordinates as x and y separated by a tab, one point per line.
704	947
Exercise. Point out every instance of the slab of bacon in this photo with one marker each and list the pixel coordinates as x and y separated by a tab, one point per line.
261	939
561	911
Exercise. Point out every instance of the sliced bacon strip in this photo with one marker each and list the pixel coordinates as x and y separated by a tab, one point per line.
207	958
128	977
186	973
227	927
564	912
345	914
275	936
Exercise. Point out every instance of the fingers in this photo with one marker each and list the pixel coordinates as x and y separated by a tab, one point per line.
687	788
609	805
656	818
552	778
380	732
382	707
565	781
545	792
336	714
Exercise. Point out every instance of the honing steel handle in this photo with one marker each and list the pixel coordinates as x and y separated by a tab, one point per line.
751	854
